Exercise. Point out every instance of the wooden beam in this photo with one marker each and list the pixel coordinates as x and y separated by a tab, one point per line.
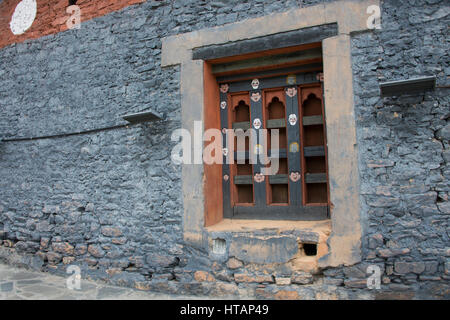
273	61
396	88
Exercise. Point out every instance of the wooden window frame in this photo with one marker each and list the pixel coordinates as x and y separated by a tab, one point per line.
297	207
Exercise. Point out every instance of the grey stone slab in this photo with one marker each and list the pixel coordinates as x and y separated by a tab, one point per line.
264	250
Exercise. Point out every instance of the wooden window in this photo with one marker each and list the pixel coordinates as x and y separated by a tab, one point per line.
293	104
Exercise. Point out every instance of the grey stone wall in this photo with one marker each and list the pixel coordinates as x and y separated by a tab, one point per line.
111	201
404	145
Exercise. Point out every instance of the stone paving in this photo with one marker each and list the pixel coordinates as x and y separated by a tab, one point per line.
23	284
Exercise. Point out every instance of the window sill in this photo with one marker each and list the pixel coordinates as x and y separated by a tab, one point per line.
241	225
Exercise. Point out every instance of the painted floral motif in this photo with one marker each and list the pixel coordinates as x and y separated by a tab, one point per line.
225	151
291	92
259	177
291	79
255	84
258	149
224	88
223	104
257	123
319	77
292	119
226	177
294	147
294	176
256	96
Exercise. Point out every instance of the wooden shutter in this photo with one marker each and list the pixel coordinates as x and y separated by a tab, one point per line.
294	106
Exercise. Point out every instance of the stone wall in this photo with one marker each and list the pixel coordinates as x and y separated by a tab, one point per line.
110	201
404	145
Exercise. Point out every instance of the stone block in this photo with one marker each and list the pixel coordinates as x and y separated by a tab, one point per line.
402	267
388	253
253	278
80	249
160	260
53	257
96	251
287	295
63	247
234	263
202	276
302	278
278	249
68	260
282	281
111	232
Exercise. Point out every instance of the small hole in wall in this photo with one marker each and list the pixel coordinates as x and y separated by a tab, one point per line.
72	2
219	246
310	249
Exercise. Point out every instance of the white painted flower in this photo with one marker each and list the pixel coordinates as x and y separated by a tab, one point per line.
23	16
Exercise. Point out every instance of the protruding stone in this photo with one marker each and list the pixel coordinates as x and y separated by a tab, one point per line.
356	283
140	285
160	260
277	249
409	267
286	295
111	232
121	240
383	202
63	247
224	289
380	163
68	260
375	241
80	249
282	281
258	278
53	257
51	209
234	263
113	271
96	251
91	261
302	278
202	276
388	253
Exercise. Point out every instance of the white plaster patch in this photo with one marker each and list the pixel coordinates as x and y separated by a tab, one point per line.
23	16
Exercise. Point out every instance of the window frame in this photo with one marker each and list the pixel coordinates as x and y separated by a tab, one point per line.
201	208
297	208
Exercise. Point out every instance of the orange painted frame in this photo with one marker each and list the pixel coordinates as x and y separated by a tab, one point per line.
233	168
302	96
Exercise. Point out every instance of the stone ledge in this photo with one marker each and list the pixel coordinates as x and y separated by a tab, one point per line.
351	16
265	243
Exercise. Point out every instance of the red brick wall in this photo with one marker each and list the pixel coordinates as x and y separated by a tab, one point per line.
51	16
